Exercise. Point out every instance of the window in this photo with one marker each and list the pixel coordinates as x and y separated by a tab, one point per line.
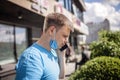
77	12
67	4
6	43
36	33
7	48
21	40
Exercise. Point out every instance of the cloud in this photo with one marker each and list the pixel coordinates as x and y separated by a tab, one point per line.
97	12
114	18
112	2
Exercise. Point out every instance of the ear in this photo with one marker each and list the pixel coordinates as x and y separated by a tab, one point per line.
52	29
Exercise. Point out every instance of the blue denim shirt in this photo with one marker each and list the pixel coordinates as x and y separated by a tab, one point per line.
37	63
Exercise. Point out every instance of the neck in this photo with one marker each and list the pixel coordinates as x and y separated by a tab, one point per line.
44	42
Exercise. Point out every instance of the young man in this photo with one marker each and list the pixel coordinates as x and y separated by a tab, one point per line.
40	61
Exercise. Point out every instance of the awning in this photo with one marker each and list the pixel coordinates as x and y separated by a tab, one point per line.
15	14
80	27
84	29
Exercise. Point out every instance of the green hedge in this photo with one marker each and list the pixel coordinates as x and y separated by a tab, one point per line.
107	45
104	48
110	36
100	68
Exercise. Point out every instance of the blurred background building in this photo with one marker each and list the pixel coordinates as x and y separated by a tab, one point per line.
93	29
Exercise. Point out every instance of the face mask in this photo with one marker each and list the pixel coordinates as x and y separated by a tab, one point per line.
53	43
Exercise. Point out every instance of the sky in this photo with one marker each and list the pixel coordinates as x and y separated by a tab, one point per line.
98	10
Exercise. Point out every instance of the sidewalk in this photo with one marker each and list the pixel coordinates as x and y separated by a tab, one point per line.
70	68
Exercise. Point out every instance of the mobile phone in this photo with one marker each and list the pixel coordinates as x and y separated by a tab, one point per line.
63	47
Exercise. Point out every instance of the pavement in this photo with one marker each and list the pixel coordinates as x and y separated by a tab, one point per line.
70	68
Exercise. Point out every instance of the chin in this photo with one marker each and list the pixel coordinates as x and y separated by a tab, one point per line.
59	47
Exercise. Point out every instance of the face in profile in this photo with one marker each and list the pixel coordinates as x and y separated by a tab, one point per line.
62	36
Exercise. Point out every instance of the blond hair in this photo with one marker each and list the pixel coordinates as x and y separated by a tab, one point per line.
58	20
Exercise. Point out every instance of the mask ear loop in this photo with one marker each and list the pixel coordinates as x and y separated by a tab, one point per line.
54	34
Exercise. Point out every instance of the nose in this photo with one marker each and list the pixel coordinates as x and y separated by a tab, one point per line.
66	40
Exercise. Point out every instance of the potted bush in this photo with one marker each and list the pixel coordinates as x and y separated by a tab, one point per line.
99	68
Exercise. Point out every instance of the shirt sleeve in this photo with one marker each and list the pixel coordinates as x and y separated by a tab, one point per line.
31	68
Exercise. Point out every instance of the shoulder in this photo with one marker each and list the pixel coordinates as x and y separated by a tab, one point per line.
31	55
30	63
